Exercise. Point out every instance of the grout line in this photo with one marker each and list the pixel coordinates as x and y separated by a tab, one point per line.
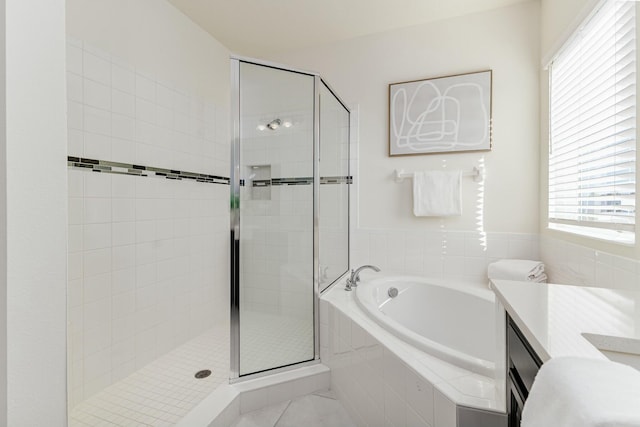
280	417
323	396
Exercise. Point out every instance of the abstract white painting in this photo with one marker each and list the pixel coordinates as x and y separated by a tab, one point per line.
443	114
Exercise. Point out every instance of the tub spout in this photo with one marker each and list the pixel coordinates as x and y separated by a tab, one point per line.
353	280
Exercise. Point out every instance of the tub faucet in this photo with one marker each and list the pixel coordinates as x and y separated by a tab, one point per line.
353	280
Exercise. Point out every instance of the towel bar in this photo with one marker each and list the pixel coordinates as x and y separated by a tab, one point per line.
476	174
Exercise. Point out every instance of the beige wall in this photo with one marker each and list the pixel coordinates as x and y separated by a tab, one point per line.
559	18
505	40
153	35
36	213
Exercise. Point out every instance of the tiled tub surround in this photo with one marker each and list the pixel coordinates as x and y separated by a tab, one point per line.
439	254
573	264
382	380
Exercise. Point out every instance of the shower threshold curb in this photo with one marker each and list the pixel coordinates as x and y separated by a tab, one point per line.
229	401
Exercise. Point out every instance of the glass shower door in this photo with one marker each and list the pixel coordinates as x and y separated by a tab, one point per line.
275	150
334	188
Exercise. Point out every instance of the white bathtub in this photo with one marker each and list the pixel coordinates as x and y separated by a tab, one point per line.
452	321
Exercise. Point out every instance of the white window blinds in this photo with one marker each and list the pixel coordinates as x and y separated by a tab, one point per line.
592	159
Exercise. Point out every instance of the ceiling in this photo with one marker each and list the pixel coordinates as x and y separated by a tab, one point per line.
264	27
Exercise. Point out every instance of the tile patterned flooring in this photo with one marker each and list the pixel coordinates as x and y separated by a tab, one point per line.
268	340
163	392
313	410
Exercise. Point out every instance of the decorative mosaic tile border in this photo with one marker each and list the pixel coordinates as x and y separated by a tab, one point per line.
299	181
105	166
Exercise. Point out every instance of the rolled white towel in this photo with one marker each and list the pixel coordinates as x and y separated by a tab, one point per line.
578	392
516	269
542	278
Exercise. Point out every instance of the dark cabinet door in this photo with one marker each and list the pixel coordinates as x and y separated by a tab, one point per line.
523	364
515	404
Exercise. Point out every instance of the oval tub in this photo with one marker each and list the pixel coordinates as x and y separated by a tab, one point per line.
450	320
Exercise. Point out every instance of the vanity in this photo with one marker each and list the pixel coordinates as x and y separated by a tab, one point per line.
523	364
543	321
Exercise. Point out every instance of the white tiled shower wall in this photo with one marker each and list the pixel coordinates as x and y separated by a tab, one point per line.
333	231
277	228
277	237
449	254
334	200
119	113
148	256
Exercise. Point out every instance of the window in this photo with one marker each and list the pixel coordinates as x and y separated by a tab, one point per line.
592	156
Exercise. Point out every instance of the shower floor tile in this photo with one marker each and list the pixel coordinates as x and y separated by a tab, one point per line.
163	392
269	340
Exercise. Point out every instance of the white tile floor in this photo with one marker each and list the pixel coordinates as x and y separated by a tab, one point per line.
268	340
312	410
161	393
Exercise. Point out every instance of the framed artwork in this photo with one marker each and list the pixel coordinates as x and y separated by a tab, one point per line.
440	115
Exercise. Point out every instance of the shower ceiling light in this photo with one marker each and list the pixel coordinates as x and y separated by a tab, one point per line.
274	124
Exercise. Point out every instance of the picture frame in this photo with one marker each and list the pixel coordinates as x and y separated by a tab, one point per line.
445	114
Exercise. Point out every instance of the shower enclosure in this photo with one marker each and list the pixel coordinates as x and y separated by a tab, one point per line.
289	212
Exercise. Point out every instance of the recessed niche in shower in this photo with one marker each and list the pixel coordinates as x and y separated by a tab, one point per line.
259	182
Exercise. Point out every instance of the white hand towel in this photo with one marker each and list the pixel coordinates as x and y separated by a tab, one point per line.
542	278
577	392
516	269
437	193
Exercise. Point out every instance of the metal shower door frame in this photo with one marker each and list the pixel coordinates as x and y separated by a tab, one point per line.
236	229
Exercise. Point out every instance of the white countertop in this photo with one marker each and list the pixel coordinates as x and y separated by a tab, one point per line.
554	318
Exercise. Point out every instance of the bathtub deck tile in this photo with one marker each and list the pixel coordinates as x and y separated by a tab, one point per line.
475	385
449	392
446	371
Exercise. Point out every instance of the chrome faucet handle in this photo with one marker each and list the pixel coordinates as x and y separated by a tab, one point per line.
355	276
353	280
350	283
